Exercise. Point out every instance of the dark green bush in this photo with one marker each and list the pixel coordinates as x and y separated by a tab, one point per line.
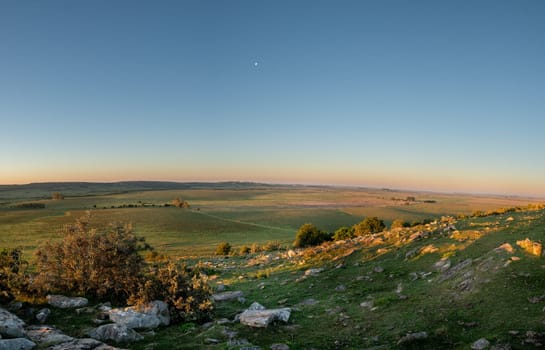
344	233
13	280
369	225
223	248
310	235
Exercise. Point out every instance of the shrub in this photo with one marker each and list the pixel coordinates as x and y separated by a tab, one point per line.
223	249
369	226
92	263
180	203
244	250
344	233
310	235
13	280
185	290
57	196
398	223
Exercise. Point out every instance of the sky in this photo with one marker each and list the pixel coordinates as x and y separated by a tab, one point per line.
427	95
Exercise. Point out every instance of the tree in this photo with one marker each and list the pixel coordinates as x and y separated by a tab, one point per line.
180	203
310	235
344	233
369	226
398	223
57	196
223	248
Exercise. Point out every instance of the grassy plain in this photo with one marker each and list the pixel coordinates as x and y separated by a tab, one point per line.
236	213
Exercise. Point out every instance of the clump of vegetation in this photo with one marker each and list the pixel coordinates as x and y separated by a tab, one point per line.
243	250
57	196
92	263
180	203
223	248
185	290
270	246
398	223
344	233
310	235
13	280
30	205
369	225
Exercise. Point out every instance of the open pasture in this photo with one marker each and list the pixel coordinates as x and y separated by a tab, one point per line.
238	214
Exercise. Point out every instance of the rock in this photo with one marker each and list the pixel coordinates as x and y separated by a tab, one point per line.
309	301
47	335
442	265
453	271
64	302
410	337
340	288
16	344
257	316
506	247
42	315
378	269
480	344
280	347
82	344
367	304
117	333
313	272
85	310
220	287
211	341
11	326
151	315
224	296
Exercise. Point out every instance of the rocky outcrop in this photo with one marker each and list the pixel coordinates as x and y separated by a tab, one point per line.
64	302
11	326
149	316
16	344
83	344
42	315
115	332
530	247
258	316
47	335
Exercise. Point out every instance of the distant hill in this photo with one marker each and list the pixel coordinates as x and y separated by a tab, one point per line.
43	190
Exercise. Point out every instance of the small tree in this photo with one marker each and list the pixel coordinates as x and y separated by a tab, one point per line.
369	226
310	235
180	203
223	248
344	233
57	196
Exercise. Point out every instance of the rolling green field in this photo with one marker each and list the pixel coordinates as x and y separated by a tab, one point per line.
236	213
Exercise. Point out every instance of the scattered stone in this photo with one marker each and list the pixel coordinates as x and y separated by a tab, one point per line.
47	335
442	265
340	288
411	253
257	316
282	301
64	302
220	288
455	269
309	301
537	299
16	344
211	341
378	269
501	347
410	337
513	333
224	296
85	310
402	297
506	247
222	321
509	219
313	272
480	344
42	315
367	304
15	306
117	333
11	326
280	347
149	316
241	300
82	344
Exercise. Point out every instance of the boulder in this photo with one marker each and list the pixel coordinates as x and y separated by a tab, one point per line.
115	332
480	344
150	316
16	344
257	316
411	337
82	344
11	326
64	302
42	315
279	346
531	247
313	272
227	295
47	335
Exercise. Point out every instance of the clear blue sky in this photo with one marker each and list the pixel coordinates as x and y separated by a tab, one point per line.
439	95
